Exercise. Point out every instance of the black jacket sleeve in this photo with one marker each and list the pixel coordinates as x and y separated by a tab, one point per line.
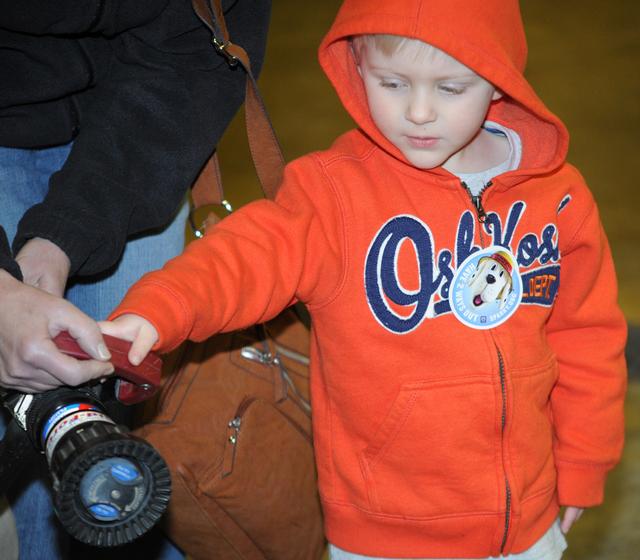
6	260
69	17
151	121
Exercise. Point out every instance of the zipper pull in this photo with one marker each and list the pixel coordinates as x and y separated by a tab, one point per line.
267	359
255	355
477	201
229	457
234	424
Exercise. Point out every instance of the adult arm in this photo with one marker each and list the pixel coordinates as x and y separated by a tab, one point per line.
44	265
147	127
63	18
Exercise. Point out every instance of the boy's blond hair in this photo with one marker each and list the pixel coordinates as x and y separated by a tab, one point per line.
391	44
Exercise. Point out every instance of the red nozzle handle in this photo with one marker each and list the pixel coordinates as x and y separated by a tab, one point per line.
136	383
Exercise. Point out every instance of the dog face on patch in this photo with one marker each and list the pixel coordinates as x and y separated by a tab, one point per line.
491	281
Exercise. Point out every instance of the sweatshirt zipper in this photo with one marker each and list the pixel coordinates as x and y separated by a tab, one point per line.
476	200
503	387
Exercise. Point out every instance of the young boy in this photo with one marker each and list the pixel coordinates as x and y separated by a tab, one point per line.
467	349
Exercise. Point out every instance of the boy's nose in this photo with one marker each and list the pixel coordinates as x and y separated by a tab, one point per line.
420	110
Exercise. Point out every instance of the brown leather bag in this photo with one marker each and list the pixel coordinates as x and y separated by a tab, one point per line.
234	427
233	419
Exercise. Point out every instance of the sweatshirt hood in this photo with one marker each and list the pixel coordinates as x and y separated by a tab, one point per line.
484	35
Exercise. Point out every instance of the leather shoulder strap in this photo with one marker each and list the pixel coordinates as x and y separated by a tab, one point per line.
263	143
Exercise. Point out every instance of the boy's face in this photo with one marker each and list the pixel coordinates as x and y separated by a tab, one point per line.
429	105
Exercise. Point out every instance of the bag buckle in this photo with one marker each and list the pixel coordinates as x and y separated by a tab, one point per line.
223	49
198	232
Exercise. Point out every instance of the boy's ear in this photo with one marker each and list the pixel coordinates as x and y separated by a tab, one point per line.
497	94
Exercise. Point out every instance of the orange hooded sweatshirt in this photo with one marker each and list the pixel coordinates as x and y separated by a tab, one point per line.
434	435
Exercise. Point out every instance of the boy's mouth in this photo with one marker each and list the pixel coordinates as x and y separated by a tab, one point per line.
422	141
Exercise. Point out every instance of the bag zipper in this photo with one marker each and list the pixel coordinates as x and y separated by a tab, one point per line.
235	424
266	358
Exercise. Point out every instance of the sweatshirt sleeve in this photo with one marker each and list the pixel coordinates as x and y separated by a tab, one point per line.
587	331
146	128
249	267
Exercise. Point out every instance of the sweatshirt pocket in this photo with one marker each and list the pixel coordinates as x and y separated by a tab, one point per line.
531	430
436	452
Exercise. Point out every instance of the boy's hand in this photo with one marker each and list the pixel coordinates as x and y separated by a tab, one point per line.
571	515
136	329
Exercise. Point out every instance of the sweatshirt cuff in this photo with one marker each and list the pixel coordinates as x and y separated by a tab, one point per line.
162	307
580	485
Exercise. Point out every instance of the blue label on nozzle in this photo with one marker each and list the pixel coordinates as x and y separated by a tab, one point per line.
104	512
124	472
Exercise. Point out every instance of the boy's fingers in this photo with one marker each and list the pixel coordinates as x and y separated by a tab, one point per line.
114	329
141	346
136	329
125	327
571	515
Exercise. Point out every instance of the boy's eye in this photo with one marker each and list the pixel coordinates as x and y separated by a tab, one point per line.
391	84
451	89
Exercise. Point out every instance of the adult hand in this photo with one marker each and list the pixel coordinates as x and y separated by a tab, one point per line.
571	515
29	360
44	265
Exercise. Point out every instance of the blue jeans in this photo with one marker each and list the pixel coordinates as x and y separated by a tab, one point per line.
24	180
